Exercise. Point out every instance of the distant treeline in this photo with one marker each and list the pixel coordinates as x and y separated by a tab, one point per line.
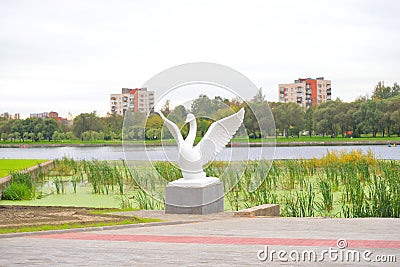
378	114
86	127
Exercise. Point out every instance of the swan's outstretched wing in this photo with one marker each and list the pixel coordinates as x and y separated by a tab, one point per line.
218	135
176	133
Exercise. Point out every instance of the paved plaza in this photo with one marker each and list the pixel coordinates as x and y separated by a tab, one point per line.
213	240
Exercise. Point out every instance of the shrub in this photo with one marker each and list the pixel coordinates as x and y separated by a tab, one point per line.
20	188
17	191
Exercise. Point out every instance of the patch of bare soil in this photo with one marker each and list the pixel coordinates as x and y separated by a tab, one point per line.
18	216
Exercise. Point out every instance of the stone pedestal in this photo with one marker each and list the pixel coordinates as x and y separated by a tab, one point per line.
194	198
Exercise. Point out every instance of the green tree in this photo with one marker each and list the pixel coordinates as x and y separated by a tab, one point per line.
50	126
40	136
178	116
136	132
368	117
5	126
25	136
17	136
31	136
4	136
386	108
85	122
340	118
384	92
224	112
202	126
203	106
179	112
11	136
324	119
153	133
395	114
395	90
259	97
16	128
112	124
154	125
250	121
289	118
86	136
70	136
57	136
351	119
309	121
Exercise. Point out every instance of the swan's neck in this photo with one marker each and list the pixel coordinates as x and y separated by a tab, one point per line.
192	132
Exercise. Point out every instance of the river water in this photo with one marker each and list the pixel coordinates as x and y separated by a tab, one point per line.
170	152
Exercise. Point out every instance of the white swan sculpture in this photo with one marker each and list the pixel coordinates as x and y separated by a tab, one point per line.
191	159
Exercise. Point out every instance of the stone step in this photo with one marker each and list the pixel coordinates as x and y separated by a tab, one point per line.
262	210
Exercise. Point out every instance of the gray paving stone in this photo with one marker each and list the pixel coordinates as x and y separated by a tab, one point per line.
30	251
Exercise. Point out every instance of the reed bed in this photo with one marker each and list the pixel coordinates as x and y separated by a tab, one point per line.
109	178
341	184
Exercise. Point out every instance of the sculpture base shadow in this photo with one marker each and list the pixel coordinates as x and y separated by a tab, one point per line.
193	197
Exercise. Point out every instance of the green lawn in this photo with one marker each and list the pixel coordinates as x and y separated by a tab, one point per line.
8	165
364	137
66	142
335	139
51	227
320	139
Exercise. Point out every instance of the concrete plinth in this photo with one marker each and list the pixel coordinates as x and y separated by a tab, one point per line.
203	199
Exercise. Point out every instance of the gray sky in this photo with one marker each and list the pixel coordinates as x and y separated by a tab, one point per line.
69	56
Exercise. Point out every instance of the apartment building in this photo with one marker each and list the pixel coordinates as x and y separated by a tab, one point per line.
41	115
53	115
9	116
136	100
306	92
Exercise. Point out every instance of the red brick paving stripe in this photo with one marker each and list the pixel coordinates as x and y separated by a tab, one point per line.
225	240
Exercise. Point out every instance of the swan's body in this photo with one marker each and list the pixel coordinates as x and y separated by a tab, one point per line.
192	158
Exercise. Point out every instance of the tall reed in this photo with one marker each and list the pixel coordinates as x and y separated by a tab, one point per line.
346	184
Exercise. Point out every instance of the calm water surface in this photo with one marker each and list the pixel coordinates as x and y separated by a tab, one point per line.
158	153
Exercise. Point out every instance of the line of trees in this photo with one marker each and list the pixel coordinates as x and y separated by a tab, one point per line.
202	108
378	114
364	116
85	127
33	129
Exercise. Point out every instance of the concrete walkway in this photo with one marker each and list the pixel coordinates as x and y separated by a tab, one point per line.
212	240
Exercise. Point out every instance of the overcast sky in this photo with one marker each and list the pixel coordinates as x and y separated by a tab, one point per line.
69	56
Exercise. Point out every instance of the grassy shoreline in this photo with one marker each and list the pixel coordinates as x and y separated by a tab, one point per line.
280	141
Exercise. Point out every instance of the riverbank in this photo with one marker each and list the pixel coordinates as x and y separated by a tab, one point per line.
326	143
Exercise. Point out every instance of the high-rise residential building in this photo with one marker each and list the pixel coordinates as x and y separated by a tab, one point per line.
306	92
135	100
